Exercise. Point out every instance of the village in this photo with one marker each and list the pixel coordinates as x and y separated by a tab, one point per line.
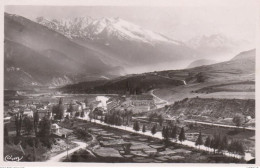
63	122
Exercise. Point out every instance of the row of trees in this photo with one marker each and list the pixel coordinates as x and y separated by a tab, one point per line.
41	128
118	117
219	143
167	132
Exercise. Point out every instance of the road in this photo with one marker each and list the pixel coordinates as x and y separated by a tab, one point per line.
219	125
58	157
158	101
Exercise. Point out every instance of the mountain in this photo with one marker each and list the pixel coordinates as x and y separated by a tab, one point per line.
201	62
218	45
46	57
121	41
246	56
239	69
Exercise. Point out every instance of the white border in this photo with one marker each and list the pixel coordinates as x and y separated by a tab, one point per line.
127	3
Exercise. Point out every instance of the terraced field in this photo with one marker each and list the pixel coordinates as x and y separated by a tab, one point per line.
113	145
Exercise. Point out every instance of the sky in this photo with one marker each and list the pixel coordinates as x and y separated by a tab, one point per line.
178	21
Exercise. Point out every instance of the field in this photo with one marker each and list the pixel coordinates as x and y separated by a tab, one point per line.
225	91
111	146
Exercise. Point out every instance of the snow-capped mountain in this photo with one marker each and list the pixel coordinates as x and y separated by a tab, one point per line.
69	27
120	42
87	27
60	52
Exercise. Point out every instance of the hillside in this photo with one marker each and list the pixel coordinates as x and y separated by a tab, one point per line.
213	107
233	71
200	62
27	41
132	84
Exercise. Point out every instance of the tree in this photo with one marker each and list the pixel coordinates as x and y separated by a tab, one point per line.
160	120
236	147
106	119
77	114
129	116
90	116
136	126
207	142
166	134
58	110
224	143
35	122
238	119
70	109
182	135
215	142
240	148
163	131
199	141
28	124
82	114
144	129
6	134
44	127
174	132
18	123
153	130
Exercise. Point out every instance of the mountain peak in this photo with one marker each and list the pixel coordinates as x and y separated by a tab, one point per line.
115	27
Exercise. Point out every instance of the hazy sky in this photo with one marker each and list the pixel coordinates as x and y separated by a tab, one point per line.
180	22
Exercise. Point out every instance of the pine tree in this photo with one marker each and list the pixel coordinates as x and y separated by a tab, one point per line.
174	132
182	135
163	131
106	119
225	143
82	114
136	126
18	124
207	142
240	148
160	120
166	133
199	141
35	122
45	127
70	109
6	134
144	129
28	125
153	130
215	142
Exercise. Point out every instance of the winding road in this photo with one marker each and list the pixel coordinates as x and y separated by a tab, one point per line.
158	101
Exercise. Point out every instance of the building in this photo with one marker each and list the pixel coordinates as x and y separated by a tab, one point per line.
28	112
112	104
44	113
55	129
140	103
141	100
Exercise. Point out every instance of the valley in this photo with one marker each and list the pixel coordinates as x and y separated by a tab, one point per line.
107	90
